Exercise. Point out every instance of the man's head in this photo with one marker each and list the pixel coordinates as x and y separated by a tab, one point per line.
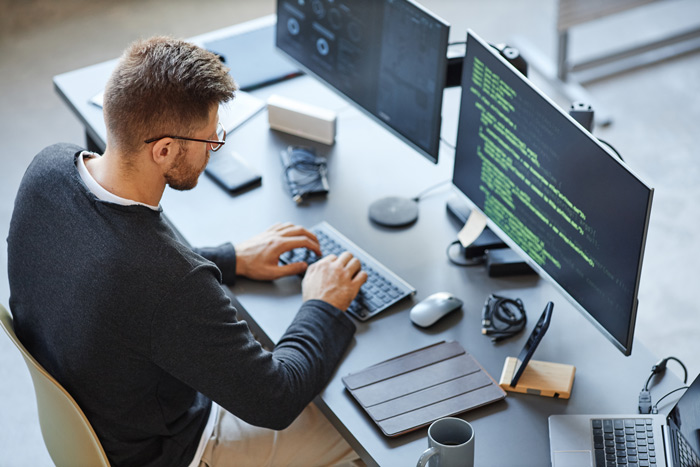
163	86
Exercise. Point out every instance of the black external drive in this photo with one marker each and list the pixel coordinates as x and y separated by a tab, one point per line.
506	262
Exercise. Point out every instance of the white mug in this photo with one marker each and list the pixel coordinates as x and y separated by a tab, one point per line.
450	444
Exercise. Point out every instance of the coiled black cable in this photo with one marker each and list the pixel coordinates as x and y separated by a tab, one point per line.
502	317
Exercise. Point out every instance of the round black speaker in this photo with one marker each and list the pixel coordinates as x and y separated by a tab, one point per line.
394	211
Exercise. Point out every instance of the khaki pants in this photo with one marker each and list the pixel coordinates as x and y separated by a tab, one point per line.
309	441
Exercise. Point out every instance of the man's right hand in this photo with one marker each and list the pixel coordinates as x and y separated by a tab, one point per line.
334	279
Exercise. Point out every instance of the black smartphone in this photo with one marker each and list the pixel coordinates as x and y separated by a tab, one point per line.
532	342
232	172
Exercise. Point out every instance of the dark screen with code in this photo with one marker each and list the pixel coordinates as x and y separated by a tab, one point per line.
577	211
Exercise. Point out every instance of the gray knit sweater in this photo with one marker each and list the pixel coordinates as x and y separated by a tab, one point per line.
136	325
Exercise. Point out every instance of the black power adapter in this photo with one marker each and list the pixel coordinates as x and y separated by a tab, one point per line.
506	262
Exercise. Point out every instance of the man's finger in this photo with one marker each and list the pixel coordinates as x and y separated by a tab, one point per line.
354	265
360	278
344	258
290	243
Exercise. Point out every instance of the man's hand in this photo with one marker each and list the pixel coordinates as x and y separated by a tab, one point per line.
334	279
258	257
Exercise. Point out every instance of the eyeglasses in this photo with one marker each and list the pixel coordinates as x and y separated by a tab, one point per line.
214	144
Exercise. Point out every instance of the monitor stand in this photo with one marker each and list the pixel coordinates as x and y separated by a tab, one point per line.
394	211
397	211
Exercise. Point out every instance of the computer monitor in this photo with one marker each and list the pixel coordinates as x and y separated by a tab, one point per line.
389	57
552	191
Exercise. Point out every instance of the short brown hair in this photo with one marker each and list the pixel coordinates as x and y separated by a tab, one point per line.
160	86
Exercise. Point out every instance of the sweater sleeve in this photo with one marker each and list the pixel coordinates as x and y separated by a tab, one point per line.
224	256
197	338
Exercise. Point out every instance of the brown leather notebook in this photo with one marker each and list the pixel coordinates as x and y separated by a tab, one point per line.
413	390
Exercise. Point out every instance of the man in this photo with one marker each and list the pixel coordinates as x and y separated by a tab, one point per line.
134	324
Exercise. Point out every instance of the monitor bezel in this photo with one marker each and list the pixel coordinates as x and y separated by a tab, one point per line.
624	347
431	154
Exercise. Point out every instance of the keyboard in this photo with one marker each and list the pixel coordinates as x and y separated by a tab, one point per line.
683	453
620	441
383	287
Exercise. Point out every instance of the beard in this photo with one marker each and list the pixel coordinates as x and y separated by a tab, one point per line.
182	175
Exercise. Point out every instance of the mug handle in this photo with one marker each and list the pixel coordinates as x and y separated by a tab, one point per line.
427	454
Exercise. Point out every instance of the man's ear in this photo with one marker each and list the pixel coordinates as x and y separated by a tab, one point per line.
164	151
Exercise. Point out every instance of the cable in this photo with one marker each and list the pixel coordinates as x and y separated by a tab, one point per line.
612	149
448	144
655	409
660	367
467	262
429	189
305	173
645	405
502	317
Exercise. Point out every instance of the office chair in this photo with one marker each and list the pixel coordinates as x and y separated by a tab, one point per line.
67	433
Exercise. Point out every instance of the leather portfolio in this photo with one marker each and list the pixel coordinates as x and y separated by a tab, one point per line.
413	390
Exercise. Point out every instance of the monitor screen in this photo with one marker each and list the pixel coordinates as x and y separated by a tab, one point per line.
389	57
552	191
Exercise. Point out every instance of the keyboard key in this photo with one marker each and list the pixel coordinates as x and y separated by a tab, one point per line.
599	458
598	440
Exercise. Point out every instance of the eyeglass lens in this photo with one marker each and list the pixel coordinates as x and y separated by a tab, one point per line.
221	136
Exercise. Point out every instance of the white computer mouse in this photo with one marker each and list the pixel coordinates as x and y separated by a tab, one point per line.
429	310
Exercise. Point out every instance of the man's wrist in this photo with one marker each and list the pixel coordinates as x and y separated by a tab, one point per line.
241	263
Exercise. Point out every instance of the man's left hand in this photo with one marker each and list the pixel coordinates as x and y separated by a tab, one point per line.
258	257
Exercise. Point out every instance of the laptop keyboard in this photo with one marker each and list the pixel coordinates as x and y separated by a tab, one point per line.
624	441
685	456
383	287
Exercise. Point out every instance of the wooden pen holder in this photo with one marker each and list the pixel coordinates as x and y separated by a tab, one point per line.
539	378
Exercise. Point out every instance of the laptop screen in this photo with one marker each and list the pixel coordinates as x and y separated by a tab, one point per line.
685	416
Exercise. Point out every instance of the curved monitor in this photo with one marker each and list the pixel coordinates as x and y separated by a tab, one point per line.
389	57
551	191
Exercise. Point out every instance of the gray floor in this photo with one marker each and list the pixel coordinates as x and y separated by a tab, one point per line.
656	111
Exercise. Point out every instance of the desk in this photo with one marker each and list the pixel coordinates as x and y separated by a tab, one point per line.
366	163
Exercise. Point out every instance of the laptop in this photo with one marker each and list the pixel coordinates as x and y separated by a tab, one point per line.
630	440
253	58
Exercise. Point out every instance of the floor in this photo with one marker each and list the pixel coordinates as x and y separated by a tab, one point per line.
656	110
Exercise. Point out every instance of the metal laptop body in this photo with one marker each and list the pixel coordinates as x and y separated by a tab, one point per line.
571	437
